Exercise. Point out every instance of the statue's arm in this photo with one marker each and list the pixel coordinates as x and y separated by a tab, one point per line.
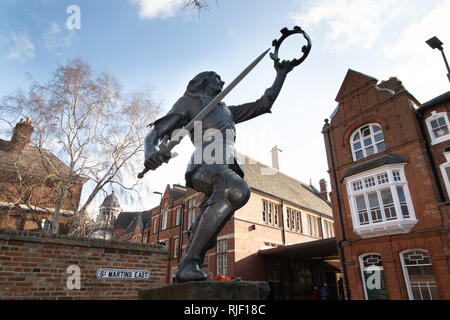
263	105
163	127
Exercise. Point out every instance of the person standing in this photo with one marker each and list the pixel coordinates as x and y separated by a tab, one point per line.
324	292
315	293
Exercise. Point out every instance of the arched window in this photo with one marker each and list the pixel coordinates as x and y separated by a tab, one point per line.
373	279
367	140
419	277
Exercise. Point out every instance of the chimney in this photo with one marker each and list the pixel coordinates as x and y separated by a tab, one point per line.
21	135
275	160
324	189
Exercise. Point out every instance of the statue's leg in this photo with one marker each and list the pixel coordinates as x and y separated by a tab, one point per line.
193	227
230	192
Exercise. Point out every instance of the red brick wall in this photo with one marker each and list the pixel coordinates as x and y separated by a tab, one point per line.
34	266
436	243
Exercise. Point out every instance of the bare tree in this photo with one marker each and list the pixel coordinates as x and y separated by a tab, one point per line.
86	121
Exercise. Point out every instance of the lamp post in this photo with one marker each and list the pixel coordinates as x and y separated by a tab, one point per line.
159	216
435	43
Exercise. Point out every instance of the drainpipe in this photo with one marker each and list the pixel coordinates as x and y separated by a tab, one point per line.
341	250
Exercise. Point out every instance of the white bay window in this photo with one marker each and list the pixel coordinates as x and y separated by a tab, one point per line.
380	202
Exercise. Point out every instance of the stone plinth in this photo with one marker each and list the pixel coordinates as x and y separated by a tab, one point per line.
208	290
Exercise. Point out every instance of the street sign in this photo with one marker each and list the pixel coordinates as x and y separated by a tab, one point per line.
122	274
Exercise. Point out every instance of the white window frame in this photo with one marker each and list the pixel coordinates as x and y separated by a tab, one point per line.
444	166
222	260
264	211
275	215
386	226
435	116
270	214
175	248
313	225
164	220
405	271
191	212
372	136
177	217
329	229
155	223
372	268
288	218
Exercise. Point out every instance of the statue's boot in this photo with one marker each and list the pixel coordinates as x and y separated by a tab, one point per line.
218	212
193	228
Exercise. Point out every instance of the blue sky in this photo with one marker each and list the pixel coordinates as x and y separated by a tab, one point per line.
160	44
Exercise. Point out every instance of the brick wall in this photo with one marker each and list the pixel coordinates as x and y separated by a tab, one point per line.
389	248
34	266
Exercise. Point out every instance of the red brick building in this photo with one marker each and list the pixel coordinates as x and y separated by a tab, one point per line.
390	189
281	212
27	179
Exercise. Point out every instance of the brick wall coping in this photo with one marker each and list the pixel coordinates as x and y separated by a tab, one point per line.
29	236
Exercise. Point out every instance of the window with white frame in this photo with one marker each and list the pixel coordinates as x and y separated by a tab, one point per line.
164	220
191	212
275	214
222	257
293	220
313	225
329	230
177	217
264	211
380	202
366	141
438	127
175	248
269	205
298	221
373	278
288	218
418	274
155	224
270	213
445	170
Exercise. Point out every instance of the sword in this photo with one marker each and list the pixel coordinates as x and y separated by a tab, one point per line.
167	145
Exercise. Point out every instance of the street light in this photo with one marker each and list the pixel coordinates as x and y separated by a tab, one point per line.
159	216
435	43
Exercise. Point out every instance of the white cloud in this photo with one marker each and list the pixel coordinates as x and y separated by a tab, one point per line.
22	47
57	37
157	8
351	22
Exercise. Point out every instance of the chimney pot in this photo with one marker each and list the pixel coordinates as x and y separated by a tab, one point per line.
275	160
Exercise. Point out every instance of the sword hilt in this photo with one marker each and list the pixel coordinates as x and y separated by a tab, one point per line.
165	148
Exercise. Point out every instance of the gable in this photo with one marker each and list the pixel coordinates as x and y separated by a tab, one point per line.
352	82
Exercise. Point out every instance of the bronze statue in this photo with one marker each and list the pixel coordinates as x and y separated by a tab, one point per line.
214	168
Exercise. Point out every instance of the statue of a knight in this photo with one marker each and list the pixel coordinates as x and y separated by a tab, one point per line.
219	176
